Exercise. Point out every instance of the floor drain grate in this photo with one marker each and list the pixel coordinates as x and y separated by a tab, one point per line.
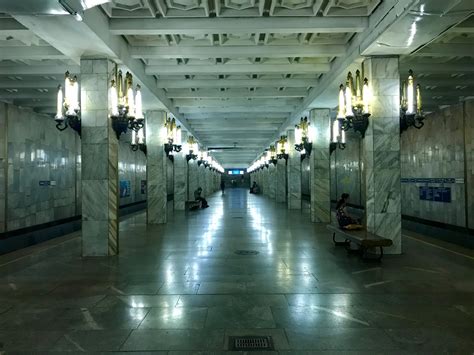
246	252
251	343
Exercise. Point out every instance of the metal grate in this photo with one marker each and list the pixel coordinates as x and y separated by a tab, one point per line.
251	343
247	252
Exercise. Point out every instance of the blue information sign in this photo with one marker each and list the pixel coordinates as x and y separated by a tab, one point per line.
437	194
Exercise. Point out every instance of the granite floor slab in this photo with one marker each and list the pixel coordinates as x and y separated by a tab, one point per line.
180	288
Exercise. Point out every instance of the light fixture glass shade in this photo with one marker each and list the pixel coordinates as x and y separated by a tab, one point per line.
298	135
410	95
138	103
131	102
59	104
140	136
367	96
342	103
335	131
348	100
343	136
113	99
177	140
134	137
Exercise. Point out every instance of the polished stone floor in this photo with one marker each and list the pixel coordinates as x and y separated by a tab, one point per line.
180	289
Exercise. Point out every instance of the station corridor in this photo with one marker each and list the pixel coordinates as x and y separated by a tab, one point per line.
181	288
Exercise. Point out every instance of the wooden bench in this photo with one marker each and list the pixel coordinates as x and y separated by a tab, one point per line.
191	205
362	238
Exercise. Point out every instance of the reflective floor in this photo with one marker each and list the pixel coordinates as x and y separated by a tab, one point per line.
181	288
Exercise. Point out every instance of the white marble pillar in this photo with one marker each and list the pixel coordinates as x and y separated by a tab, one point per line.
381	152
294	174
319	162
156	168
193	182
99	149
265	182
272	181
180	178
3	166
281	182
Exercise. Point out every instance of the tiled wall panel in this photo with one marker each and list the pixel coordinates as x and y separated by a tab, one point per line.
435	151
41	170
37	151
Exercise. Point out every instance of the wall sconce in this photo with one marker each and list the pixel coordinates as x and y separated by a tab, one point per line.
125	106
173	134
338	137
272	153
203	159
282	148
192	149
138	140
67	106
409	115
354	104
303	142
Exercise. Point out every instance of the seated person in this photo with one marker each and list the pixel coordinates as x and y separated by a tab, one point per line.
343	218
254	189
198	197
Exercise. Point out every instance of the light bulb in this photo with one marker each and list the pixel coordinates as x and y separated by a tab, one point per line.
410	95
113	99
59	104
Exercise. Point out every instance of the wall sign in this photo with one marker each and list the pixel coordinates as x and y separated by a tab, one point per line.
437	194
432	180
124	188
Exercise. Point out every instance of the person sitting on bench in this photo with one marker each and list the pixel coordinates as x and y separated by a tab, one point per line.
254	189
343	218
198	197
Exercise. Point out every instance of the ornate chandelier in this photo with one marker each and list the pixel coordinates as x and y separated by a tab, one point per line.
303	142
282	148
354	104
191	149
138	140
411	112
67	106
173	135
125	104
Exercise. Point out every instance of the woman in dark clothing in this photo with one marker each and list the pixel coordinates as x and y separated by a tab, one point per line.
343	218
222	186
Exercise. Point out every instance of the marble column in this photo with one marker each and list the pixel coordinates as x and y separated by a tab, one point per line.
180	178
381	152
320	169
265	182
156	168
3	167
99	171
272	181
469	163
281	182
294	174
209	182
193	181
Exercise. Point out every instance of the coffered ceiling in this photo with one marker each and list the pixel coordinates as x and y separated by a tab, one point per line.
237	73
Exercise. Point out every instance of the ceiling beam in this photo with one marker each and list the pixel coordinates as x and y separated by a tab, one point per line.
200	52
38	69
444	68
236	115
235	83
231	93
446	50
27	95
262	103
229	109
203	26
31	53
386	14
216	69
23	84
91	37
